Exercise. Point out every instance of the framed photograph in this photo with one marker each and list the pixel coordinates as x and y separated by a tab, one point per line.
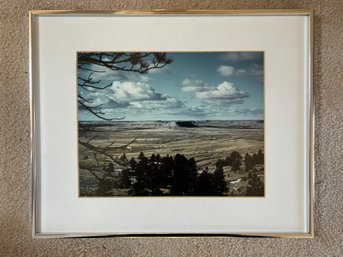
172	123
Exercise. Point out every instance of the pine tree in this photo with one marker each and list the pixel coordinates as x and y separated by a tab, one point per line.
220	185
235	159
248	162
205	184
255	186
153	158
141	155
184	176
110	167
260	157
133	163
123	158
125	178
141	184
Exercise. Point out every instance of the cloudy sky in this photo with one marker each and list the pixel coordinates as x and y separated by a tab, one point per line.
195	86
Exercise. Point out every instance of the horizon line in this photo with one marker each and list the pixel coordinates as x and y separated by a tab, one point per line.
168	120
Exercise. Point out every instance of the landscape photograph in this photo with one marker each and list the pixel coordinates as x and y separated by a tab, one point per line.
180	124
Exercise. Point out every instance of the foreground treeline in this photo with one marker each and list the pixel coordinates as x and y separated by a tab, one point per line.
235	160
179	176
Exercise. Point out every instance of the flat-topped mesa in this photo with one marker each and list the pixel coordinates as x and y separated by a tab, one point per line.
186	124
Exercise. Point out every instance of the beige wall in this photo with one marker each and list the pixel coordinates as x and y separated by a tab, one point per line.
15	230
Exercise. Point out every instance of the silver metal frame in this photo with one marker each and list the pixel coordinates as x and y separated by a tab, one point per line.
35	134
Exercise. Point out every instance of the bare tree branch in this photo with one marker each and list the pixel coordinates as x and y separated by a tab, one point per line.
96	159
131	62
123	146
97	113
91	139
110	144
85	88
90	86
84	99
104	151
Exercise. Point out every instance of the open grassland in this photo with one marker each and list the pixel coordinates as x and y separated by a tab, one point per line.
205	144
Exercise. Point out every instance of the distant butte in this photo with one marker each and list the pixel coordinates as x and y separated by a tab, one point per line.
186	124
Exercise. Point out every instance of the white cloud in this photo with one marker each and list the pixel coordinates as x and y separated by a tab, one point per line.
226	71
144	78
122	94
129	91
189	85
129	98
224	91
168	103
171	107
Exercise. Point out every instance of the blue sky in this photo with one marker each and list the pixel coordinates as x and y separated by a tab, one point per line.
195	86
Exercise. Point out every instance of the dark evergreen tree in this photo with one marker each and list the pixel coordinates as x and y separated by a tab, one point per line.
155	176
167	164
110	167
255	186
178	176
184	176
220	163
132	163
220	185
127	175
141	155
235	160
125	178
141	184
248	162
254	159
227	161
123	158
260	157
153	158
205	184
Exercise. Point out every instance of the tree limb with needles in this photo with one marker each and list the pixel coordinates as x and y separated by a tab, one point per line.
105	150
89	64
127	62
